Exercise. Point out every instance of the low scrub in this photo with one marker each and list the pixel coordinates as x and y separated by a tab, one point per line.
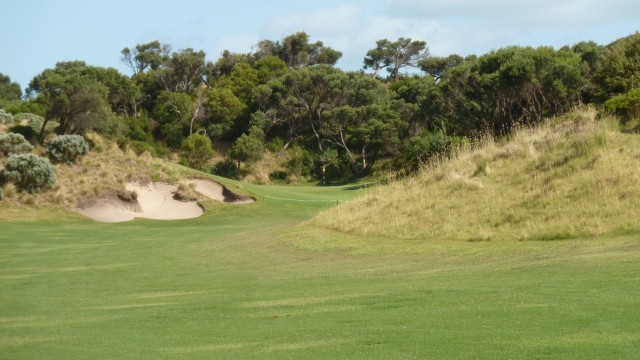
14	144
6	117
67	148
29	172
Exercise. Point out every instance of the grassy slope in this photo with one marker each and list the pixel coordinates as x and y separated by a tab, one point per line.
569	179
231	285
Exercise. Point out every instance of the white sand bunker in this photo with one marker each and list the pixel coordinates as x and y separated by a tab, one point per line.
154	201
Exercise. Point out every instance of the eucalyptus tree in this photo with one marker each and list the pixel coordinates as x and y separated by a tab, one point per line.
9	91
296	51
395	55
143	57
436	66
81	97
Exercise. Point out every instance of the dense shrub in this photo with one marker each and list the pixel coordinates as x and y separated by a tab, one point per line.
300	161
226	168
1	193
14	144
25	130
67	148
5	117
29	172
33	120
418	150
626	106
278	175
196	151
248	147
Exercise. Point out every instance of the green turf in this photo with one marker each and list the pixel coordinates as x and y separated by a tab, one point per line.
240	283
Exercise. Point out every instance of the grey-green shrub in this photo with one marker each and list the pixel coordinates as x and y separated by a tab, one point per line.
29	172
67	148
1	194
13	143
5	117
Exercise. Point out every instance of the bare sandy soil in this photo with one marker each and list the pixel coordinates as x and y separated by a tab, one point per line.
154	201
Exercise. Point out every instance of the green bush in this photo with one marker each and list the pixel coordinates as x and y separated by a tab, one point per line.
14	144
24	130
67	148
418	150
626	106
29	172
33	120
226	168
1	193
248	147
300	161
5	117
278	175
140	147
197	151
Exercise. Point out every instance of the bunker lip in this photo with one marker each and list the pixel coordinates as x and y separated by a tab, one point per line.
154	201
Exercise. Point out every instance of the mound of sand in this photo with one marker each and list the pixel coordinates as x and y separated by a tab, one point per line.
215	191
154	201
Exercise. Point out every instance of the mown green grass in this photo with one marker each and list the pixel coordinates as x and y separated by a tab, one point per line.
239	283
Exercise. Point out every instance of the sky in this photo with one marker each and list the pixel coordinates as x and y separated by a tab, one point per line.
36	34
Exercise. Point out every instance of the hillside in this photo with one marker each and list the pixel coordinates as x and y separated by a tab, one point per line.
572	177
103	173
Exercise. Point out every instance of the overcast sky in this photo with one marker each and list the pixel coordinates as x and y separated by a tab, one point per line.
35	34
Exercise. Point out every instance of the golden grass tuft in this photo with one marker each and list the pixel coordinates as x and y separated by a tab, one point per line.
572	177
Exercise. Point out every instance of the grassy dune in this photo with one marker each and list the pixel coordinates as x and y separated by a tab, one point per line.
571	178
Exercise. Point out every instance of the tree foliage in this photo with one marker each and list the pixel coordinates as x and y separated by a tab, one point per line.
395	55
9	91
296	51
287	96
248	147
81	97
626	106
196	151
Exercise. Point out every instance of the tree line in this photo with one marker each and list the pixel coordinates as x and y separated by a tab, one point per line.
288	97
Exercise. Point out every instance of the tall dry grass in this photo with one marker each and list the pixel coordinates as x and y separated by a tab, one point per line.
572	177
105	169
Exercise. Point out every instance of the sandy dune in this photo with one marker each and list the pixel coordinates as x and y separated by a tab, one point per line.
155	201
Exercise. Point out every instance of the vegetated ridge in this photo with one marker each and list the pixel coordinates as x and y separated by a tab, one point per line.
103	172
572	177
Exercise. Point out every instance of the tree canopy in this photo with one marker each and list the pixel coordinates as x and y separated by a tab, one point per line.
287	96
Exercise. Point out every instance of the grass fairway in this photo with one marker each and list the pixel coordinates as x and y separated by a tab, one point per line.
239	283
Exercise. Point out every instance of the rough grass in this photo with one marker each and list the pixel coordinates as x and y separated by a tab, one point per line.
570	178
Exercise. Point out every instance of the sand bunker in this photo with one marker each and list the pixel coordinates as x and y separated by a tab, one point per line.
154	201
215	191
